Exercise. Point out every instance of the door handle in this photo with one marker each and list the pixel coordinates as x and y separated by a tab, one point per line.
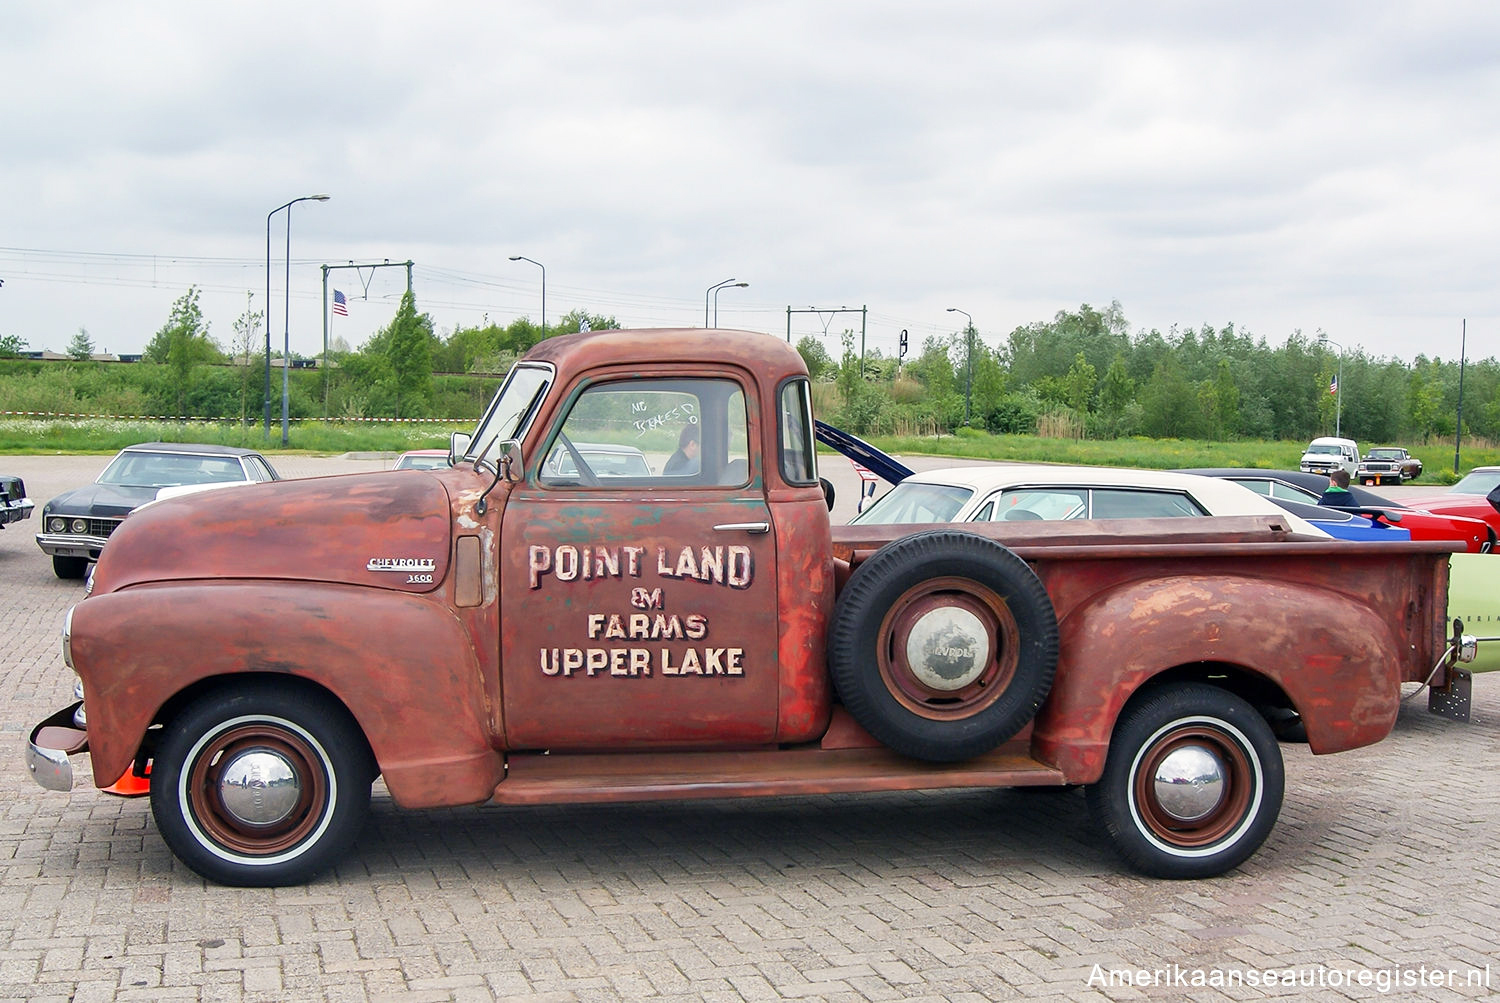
743	527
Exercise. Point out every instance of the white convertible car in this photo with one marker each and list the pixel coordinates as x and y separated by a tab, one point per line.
1019	491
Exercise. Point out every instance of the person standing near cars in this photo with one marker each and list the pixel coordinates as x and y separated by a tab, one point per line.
1337	494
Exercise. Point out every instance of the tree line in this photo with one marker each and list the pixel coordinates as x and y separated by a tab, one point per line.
1084	373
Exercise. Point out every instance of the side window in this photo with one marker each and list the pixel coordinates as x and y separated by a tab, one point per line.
1042	503
799	461
687	432
1118	503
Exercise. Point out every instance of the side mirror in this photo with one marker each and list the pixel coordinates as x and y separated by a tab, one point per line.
458	445
511	463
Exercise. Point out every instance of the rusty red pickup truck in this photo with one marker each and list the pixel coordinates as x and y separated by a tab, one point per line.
627	587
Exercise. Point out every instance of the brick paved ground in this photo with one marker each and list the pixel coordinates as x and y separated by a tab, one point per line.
1384	861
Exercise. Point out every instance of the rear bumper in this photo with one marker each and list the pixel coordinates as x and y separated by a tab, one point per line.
49	746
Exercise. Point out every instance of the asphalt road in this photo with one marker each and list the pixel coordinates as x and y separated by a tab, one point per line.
1384	868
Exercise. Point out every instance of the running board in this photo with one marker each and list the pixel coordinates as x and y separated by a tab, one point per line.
578	778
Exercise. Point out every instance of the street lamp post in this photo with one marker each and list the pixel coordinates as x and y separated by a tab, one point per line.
709	293
522	257
969	362
1338	390
719	289
287	321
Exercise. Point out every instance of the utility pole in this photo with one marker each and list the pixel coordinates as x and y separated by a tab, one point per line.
864	314
364	282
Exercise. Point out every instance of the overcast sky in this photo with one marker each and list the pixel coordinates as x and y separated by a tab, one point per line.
1312	166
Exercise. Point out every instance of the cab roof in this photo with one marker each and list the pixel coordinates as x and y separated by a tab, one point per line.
766	355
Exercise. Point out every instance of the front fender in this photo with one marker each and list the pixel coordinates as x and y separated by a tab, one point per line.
1335	658
402	664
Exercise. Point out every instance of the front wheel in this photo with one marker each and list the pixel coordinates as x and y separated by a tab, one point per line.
69	567
1193	782
261	786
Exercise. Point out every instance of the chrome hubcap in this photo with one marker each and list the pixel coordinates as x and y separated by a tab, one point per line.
1189	783
259	787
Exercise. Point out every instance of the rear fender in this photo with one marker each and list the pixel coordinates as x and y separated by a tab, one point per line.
1334	657
402	664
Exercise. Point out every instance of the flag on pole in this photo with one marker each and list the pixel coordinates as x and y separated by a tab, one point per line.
1333	384
340	305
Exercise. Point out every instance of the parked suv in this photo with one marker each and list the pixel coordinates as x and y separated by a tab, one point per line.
1327	453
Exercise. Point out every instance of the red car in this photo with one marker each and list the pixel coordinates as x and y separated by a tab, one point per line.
1472	497
1423	521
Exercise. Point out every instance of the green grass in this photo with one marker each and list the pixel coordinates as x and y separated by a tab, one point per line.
1160	454
83	435
26	436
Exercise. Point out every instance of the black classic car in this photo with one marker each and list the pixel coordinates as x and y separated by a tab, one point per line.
76	523
14	505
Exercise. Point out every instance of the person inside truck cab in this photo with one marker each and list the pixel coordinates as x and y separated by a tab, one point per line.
685	460
1337	494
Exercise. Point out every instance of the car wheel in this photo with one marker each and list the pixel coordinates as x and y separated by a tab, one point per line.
261	785
69	567
943	645
1192	784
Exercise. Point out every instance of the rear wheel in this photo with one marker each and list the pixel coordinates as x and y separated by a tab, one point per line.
1193	782
261	786
69	567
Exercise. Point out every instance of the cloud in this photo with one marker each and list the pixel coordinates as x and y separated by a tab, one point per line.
1280	167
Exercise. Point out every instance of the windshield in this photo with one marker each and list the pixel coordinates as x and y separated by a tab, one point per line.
914	502
1477	482
511	410
1319	448
1385	454
161	470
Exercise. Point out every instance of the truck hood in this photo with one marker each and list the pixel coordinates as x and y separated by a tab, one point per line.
387	530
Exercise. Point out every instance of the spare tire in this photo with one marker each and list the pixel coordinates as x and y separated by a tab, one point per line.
943	645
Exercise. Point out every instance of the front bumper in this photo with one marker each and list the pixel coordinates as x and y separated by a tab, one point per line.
70	545
50	745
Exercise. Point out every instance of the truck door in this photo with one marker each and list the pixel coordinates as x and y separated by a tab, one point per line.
638	585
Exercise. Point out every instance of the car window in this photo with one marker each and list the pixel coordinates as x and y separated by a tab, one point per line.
799	458
1129	503
1291	492
259	469
1018	504
912	502
1477	482
687	432
160	470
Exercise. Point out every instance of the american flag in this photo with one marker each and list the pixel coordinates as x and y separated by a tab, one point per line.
340	305
1333	384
